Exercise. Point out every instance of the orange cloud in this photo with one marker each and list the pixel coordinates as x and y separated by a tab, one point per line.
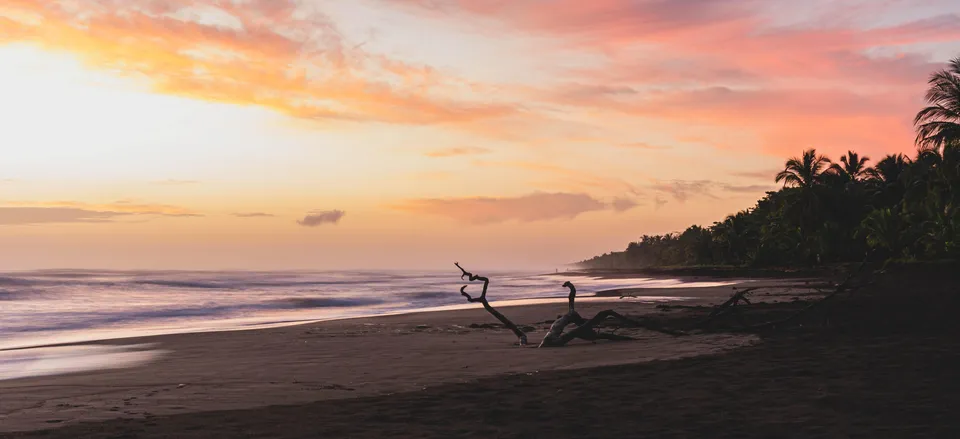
538	206
276	54
729	64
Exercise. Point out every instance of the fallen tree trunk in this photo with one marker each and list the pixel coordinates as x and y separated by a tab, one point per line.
522	336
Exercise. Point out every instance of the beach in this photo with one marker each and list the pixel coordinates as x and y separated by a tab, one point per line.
449	374
328	360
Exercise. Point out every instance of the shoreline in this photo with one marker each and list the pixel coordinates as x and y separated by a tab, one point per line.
349	358
606	296
714	272
663	293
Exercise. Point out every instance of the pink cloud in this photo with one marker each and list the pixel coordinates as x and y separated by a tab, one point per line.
538	206
732	64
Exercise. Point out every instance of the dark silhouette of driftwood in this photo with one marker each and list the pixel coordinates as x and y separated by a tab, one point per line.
522	336
586	329
729	307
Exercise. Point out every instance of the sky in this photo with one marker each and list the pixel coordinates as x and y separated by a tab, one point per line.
409	134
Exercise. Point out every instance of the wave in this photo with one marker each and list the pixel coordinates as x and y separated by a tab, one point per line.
182	284
432	295
238	284
82	320
327	302
9	281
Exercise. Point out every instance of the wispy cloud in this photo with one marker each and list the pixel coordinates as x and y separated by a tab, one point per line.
280	54
41	215
74	212
722	63
253	215
658	202
539	206
748	189
757	175
321	217
683	190
623	204
457	151
130	207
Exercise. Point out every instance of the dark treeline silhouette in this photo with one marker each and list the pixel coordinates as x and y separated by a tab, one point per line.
828	212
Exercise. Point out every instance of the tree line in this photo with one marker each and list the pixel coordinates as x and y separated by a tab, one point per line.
899	207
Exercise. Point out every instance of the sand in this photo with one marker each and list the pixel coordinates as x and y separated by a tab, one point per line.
329	360
884	367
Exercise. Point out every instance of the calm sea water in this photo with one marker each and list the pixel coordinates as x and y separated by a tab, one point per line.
44	307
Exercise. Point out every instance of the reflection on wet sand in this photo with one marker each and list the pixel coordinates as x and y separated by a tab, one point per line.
24	363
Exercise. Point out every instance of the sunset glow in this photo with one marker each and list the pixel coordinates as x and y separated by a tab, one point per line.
317	134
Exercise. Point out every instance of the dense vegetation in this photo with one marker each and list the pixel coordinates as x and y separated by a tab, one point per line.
900	208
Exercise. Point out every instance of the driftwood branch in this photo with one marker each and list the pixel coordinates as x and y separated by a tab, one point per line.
730	306
482	299
586	329
555	332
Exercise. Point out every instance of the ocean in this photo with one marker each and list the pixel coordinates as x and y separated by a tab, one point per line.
50	307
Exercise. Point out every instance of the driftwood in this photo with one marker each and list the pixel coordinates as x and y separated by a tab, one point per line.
729	307
522	336
584	330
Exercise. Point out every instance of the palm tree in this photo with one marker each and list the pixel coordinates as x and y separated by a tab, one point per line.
805	171
939	123
889	169
854	167
804	205
884	230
